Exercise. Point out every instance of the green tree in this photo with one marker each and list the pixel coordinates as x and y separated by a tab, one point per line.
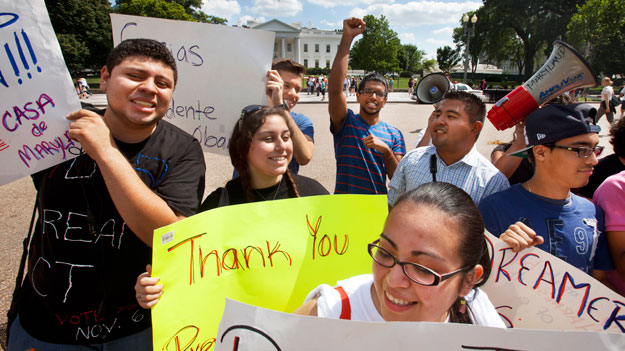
168	9
447	57
476	46
427	65
75	51
377	49
597	31
154	8
83	29
410	58
536	23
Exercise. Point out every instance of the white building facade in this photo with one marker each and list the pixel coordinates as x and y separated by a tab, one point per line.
310	47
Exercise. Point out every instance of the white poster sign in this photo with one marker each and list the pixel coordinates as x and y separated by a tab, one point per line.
244	327
36	92
221	69
533	289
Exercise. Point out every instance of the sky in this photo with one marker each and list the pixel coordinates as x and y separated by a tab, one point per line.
426	24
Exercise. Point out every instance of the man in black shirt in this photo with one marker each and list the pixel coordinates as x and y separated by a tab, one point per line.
97	213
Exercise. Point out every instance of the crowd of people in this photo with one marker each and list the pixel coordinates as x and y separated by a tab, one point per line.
139	172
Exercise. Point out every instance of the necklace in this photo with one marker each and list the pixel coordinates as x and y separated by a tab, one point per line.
274	194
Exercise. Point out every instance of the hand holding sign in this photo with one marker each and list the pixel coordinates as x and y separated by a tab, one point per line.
89	129
519	236
147	288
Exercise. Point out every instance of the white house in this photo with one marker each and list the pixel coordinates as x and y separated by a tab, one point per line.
310	47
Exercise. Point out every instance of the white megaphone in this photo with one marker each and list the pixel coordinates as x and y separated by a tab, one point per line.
564	70
432	88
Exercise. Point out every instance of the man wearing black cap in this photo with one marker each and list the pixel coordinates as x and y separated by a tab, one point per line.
543	212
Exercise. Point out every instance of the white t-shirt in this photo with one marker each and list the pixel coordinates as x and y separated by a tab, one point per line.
419	137
606	93
358	290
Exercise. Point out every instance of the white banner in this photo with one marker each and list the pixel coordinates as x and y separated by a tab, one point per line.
36	92
245	327
533	289
221	69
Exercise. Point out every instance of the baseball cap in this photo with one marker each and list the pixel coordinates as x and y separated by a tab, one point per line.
556	122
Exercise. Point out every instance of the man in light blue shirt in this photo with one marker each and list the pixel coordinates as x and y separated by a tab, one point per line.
452	158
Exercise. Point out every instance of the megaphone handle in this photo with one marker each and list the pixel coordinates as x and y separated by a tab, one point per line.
512	108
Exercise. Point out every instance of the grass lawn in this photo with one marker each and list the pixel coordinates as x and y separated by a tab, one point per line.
93	82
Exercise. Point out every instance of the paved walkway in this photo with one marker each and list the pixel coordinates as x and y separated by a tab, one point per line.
392	97
99	100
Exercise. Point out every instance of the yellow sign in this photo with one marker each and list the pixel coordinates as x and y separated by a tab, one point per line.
268	254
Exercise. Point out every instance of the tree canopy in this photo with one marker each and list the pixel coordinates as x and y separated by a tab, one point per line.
447	57
597	31
505	24
186	10
83	29
378	48
412	60
476	46
153	8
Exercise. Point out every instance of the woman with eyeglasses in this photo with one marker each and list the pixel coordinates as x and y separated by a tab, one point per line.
427	266
260	150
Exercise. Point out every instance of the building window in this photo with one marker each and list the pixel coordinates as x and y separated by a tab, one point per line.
289	47
327	63
306	63
316	47
316	63
305	47
328	48
275	47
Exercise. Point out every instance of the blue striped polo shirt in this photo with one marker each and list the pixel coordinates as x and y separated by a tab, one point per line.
360	170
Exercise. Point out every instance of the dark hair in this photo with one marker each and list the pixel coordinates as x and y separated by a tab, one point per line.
473	106
563	99
531	158
240	142
617	137
141	47
459	206
288	65
375	77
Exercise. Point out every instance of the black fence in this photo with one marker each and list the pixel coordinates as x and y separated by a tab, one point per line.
494	95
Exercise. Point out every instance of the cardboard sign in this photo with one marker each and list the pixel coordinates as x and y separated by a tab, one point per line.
272	254
37	92
221	69
268	254
245	327
533	289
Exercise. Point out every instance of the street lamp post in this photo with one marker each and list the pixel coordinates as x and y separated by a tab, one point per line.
468	32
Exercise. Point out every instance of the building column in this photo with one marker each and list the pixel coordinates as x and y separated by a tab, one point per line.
298	55
283	48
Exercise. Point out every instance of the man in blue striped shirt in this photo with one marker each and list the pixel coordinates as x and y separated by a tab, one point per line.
452	158
366	149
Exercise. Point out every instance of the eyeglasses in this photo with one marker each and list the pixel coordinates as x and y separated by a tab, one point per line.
249	109
582	151
415	272
369	92
253	108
